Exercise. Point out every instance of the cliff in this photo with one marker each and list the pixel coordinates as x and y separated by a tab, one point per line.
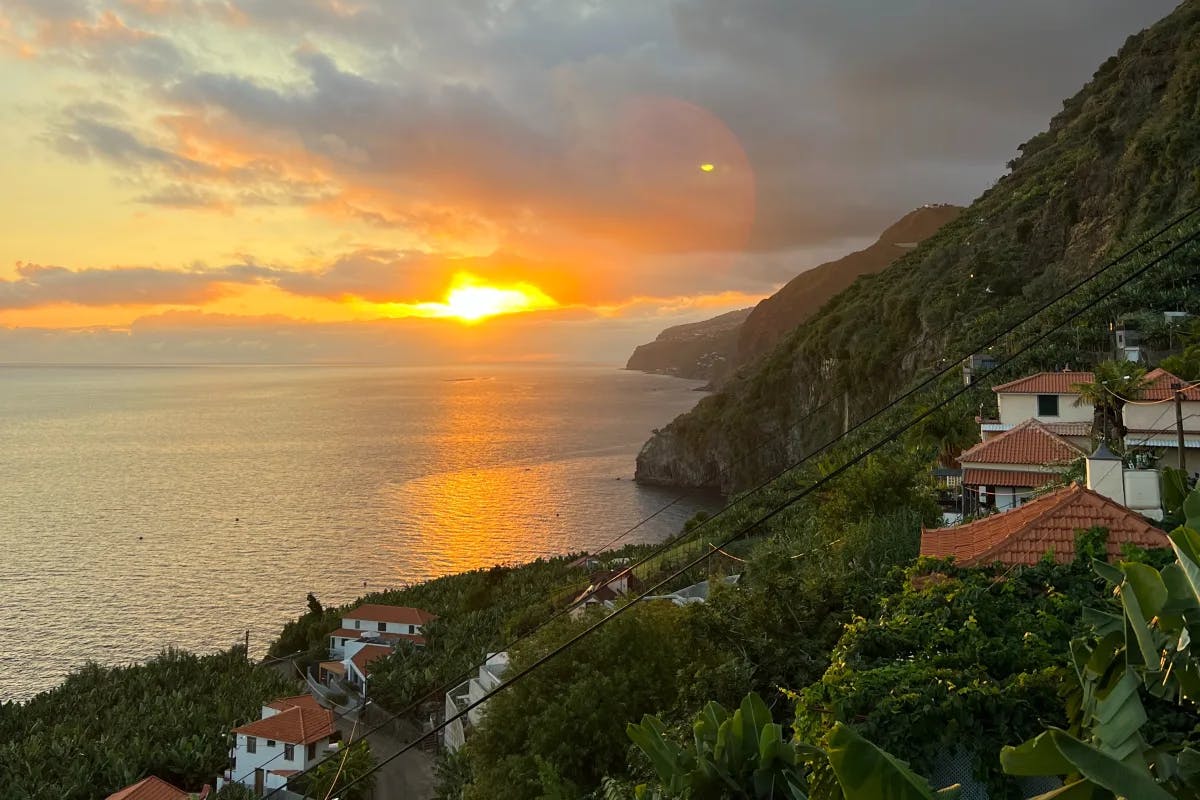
700	350
803	296
713	349
1115	164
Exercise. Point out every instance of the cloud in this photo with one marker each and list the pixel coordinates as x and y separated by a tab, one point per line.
37	285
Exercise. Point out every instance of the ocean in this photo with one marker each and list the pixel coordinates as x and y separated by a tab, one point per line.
147	507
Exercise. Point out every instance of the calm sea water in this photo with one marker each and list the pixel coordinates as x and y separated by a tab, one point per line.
147	507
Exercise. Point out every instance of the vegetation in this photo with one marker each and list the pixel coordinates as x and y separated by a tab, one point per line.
331	777
1114	384
106	728
1119	161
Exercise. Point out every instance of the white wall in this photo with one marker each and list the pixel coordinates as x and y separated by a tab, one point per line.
1161	417
269	758
1016	408
372	626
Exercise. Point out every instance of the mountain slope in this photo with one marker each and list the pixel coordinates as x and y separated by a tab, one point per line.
803	296
700	350
1120	159
713	349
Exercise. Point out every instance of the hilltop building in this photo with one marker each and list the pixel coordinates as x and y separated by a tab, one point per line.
293	734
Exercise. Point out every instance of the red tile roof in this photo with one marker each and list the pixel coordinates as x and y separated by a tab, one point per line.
151	788
1007	477
1046	383
301	700
370	653
374	612
1028	443
1159	387
297	725
1049	523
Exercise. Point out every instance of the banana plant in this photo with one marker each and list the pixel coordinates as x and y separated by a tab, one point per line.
745	755
1146	649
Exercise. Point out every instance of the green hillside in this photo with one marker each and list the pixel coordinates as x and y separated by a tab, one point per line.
1120	159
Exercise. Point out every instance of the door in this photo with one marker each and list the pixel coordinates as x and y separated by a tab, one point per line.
258	782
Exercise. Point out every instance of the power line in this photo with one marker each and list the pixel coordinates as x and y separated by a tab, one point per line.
804	492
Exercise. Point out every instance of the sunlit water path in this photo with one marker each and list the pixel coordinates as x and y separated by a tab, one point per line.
147	507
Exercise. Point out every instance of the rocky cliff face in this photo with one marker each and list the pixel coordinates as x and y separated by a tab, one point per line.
1116	163
699	350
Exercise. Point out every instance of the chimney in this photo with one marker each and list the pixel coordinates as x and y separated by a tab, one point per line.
1105	474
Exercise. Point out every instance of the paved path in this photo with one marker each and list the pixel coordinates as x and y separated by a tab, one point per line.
409	777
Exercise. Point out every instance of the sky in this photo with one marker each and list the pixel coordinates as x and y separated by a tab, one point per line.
314	180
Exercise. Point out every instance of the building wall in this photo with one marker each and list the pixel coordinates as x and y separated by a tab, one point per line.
268	758
1161	417
373	626
1016	408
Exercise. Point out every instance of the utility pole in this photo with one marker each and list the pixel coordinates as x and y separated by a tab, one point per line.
1179	425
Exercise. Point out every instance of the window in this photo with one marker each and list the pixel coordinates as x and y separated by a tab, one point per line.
251	744
270	743
289	750
383	626
1047	405
312	750
357	624
412	628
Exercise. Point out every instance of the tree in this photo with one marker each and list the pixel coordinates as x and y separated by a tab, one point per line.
1115	383
331	777
314	605
947	431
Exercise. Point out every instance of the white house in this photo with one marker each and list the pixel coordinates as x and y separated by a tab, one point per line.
1003	471
359	656
387	623
491	674
1049	398
605	588
293	734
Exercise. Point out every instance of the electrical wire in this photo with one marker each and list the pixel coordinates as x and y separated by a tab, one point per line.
804	492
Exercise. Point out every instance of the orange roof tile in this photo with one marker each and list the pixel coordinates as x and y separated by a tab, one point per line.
1028	443
151	788
297	725
1159	387
1049	523
1007	477
370	653
374	612
301	700
1045	383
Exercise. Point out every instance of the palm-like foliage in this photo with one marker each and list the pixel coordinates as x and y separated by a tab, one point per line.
1115	383
948	431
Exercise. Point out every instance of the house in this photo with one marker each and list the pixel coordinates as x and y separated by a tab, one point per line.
1150	420
369	632
293	734
1003	471
604	589
153	788
1047	524
359	657
1049	398
491	674
387	623
696	593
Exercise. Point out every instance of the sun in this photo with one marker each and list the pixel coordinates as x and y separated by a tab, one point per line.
470	300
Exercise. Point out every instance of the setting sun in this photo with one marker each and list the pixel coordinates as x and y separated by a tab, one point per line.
470	300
